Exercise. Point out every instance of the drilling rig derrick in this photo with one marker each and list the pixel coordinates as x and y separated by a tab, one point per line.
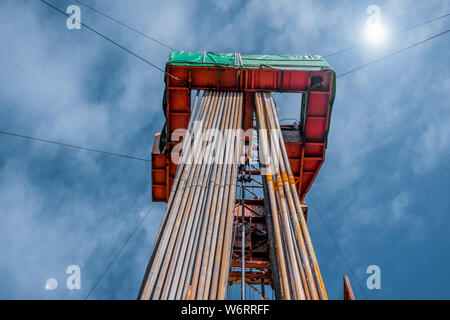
235	191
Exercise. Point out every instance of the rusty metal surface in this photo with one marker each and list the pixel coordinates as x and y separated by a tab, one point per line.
348	291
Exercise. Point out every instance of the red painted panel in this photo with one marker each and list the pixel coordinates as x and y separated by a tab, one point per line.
159	177
172	169
228	79
182	73
295	166
293	149
314	150
158	193
318	105
265	79
310	165
295	80
205	77
315	129
179	100
178	120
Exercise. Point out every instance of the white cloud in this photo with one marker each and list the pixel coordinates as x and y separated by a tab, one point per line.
399	205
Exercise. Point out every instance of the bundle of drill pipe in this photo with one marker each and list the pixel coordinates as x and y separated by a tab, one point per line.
298	269
192	252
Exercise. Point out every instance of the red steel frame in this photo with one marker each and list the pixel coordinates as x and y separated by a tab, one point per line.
305	157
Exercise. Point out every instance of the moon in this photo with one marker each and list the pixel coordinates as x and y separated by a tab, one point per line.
51	284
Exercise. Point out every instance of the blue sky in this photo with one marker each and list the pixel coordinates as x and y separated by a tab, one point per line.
383	189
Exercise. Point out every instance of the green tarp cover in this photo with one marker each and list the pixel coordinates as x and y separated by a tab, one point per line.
249	61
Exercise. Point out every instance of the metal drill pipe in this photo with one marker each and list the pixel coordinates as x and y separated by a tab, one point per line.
321	287
227	249
265	156
273	204
288	237
181	219
212	233
193	250
210	249
276	276
186	146
183	285
294	266
198	278
177	200
186	275
303	257
227	210
226	203
225	184
299	237
194	254
243	225
186	227
182	232
304	276
187	269
195	115
317	275
215	234
214	259
200	250
187	241
146	287
289	268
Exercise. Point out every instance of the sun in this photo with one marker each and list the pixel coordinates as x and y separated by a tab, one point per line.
375	34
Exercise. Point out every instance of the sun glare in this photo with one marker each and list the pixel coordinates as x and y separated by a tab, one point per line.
375	35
